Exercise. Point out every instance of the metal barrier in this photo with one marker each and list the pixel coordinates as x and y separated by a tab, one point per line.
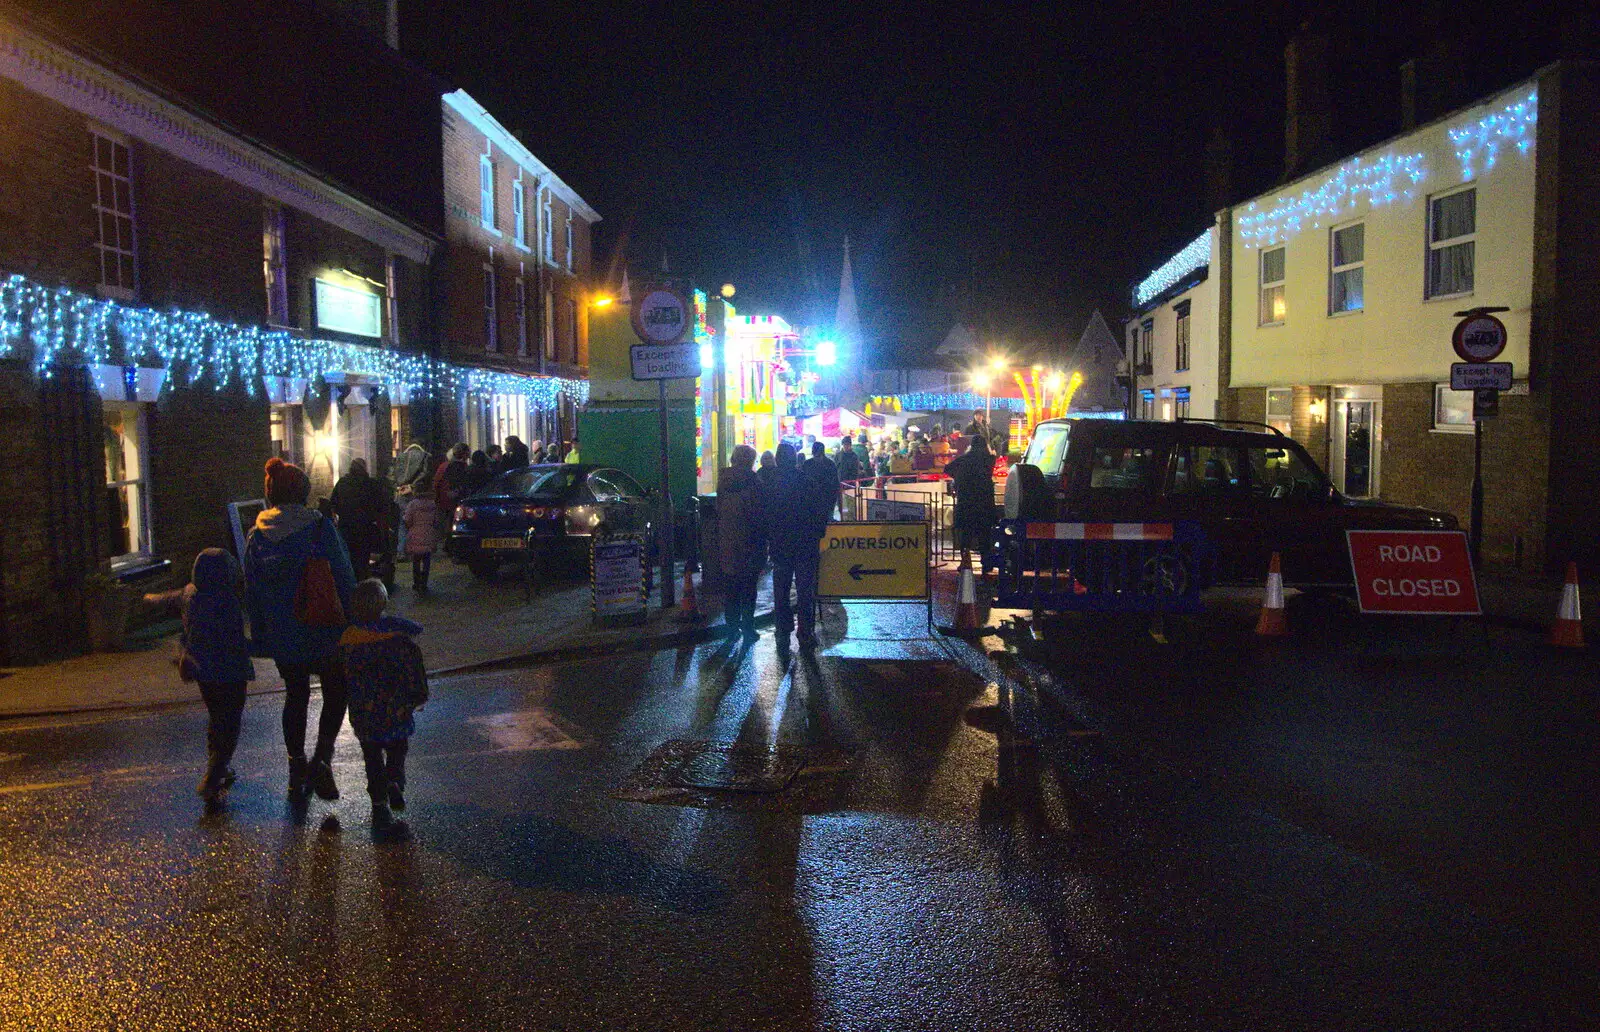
930	490
1099	567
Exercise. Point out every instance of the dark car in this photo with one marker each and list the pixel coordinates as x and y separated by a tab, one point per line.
563	504
1253	491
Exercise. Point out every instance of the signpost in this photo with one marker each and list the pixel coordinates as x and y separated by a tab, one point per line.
661	318
883	560
1417	572
1479	338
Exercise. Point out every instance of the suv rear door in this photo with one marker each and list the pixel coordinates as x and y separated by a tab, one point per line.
1209	484
1302	513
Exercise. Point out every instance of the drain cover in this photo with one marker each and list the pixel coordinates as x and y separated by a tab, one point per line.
735	768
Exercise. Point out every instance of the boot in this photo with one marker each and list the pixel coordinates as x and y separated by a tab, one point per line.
320	776
297	776
384	826
397	798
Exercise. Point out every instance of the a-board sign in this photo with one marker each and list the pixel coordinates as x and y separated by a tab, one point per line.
665	361
1480	376
1418	572
241	519
879	559
617	575
888	509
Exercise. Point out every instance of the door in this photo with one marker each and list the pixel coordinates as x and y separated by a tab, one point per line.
1355	447
1209	484
1303	517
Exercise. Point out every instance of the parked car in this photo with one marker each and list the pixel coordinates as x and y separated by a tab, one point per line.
563	504
1252	490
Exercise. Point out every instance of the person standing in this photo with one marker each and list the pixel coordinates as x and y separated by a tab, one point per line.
357	502
767	471
572	452
298	583
518	454
797	514
823	472
741	543
497	460
410	467
972	476
979	427
450	482
478	472
387	685
422	539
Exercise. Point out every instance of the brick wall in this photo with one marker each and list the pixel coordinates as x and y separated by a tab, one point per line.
43	143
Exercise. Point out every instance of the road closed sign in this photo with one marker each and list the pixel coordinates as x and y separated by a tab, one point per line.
1416	572
887	560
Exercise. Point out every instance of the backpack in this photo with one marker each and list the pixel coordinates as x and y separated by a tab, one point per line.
316	599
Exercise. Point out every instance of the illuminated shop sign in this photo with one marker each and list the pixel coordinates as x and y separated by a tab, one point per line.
345	310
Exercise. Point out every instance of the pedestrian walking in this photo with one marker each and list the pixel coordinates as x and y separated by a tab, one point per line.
797	507
972	476
357	502
216	656
387	685
422	539
298	583
741	541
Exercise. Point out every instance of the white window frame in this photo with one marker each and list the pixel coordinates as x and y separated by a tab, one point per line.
1439	425
142	534
275	263
106	180
547	242
1439	245
1335	270
522	311
1264	314
486	193
1182	336
1271	420
572	327
519	214
391	299
549	325
491	312
569	241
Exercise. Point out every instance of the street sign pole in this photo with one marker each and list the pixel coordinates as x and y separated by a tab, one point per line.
661	320
668	597
1478	340
1475	539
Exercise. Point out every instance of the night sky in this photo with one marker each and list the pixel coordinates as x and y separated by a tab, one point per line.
1012	166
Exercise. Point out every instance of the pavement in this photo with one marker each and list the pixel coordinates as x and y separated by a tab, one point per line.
455	614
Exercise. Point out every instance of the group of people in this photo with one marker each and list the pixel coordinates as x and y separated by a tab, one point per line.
312	616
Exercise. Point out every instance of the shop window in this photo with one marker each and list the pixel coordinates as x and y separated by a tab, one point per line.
1274	309
1180	403
113	207
127	492
1280	409
1452	410
1346	269
1452	242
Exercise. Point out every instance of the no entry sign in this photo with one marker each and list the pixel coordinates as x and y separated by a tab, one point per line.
1418	572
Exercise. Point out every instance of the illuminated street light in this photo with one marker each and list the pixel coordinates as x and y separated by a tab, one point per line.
998	363
827	353
602	301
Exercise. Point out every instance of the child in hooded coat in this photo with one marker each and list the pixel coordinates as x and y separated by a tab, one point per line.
387	684
216	654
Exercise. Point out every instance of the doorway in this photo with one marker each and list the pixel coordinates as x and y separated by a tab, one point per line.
1357	440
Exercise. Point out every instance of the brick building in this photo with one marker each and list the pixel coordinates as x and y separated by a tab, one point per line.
176	304
516	297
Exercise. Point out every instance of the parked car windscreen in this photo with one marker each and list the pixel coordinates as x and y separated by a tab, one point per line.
540	481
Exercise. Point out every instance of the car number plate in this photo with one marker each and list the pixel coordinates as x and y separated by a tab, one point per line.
503	542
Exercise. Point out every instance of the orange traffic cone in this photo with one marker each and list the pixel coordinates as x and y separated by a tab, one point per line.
1272	623
967	602
1568	630
688	602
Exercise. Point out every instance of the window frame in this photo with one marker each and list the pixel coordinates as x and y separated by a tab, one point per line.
491	306
275	263
569	241
572	328
1439	425
142	537
519	214
547	241
522	313
486	205
1266	410
1183	335
1335	270
1263	285
102	177
1431	245
391	298
548	308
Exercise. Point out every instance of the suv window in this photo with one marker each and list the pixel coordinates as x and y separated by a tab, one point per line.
1283	473
1207	469
1048	448
1122	469
602	488
630	487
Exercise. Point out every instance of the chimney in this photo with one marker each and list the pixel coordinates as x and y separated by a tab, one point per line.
1219	171
1408	95
391	25
1306	124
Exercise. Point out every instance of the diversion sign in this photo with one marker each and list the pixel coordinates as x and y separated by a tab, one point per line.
874	560
1417	572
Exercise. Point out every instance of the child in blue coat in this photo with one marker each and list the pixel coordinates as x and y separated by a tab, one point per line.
216	654
385	683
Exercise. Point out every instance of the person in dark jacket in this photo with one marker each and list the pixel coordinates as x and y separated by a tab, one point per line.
450	482
216	655
357	500
412	466
767	470
797	514
286	537
478	472
517	453
497	460
824	475
741	540
972	475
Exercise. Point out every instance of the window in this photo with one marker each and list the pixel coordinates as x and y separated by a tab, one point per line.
1273	267
129	505
113	207
1348	252
391	297
522	315
1452	236
1284	473
486	191
1452	410
1147	404
519	216
569	241
572	330
1280	408
491	328
547	245
274	266
1207	469
1181	362
287	428
1146	356
1180	402
1122	469
549	311
1048	448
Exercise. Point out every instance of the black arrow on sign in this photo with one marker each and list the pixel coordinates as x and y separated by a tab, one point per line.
856	572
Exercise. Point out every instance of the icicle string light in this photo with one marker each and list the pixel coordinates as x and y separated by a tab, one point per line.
1193	258
66	327
1512	125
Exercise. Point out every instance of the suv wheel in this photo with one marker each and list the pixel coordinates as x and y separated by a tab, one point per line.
1164	575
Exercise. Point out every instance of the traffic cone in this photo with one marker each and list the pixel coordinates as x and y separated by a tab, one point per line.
1272	623
1568	630
967	602
689	603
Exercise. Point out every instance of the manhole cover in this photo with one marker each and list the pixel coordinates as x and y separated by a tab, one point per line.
734	768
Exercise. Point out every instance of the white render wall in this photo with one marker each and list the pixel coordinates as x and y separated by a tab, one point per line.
1399	336
1201	377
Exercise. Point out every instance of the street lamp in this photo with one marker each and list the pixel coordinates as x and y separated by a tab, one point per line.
984	382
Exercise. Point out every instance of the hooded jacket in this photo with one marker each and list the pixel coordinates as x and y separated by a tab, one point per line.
741	522
274	562
214	646
385	676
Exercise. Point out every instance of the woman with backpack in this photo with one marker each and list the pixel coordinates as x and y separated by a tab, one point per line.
298	584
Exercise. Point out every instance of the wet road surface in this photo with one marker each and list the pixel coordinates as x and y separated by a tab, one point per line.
570	868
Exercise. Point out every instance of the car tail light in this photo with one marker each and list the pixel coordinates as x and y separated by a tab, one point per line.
464	513
536	511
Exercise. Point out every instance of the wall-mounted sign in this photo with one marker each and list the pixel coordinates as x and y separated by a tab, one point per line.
346	309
